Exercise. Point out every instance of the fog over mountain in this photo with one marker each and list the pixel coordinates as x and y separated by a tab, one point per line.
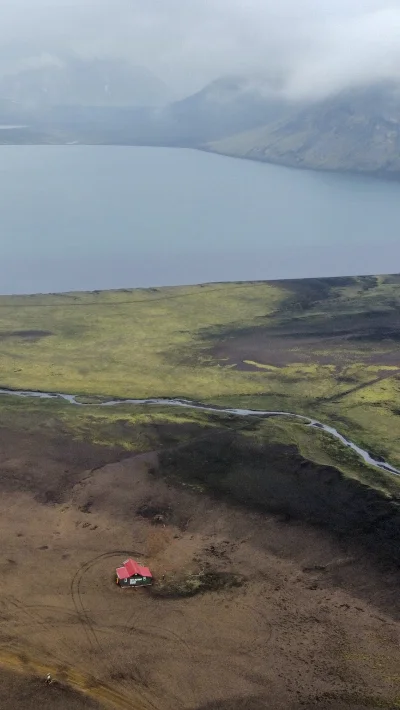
302	49
74	80
312	84
357	130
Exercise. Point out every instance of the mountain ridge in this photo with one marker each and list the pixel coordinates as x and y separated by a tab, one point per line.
356	131
73	80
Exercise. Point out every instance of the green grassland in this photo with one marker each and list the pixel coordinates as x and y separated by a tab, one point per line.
327	348
139	343
323	347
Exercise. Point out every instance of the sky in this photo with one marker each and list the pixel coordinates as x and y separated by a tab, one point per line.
304	47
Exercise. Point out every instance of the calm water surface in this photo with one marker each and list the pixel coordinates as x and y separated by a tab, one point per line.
94	217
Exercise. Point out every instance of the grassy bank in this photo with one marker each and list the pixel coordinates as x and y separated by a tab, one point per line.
142	429
323	347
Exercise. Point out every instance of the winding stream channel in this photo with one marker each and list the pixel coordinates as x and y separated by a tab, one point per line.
188	404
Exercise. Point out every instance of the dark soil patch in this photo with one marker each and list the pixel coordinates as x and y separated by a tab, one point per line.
264	346
262	702
158	515
87	507
164	512
50	478
25	334
19	692
276	478
333	701
314	317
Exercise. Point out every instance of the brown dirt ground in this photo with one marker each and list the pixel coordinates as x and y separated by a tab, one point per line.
293	636
32	693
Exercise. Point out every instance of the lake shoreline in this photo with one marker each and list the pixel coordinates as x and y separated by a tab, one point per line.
283	163
289	165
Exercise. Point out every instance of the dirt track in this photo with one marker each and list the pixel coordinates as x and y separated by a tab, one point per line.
313	626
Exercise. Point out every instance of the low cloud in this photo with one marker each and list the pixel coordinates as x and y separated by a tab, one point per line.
354	51
303	47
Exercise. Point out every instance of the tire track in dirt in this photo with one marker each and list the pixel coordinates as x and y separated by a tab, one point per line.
76	595
87	684
158	631
35	618
87	623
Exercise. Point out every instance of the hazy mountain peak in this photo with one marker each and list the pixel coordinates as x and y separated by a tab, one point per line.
60	80
233	86
355	130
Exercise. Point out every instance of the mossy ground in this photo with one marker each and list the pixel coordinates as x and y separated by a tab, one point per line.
327	348
192	584
144	428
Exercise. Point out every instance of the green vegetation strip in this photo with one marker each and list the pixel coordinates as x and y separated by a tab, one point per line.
141	429
326	348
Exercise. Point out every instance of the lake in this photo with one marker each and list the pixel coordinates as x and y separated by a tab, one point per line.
99	217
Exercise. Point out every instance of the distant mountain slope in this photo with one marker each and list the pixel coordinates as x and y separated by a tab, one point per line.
354	131
86	82
222	108
357	130
13	113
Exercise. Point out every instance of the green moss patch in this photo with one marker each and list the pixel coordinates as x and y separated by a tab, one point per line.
190	585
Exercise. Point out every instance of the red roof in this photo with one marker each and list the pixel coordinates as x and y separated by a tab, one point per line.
131	568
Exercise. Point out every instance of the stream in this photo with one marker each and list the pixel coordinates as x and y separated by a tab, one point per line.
188	404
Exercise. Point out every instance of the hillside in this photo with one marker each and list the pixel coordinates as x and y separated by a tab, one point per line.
356	131
71	102
222	108
75	81
11	112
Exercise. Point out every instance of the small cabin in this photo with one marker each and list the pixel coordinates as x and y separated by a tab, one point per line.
132	574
